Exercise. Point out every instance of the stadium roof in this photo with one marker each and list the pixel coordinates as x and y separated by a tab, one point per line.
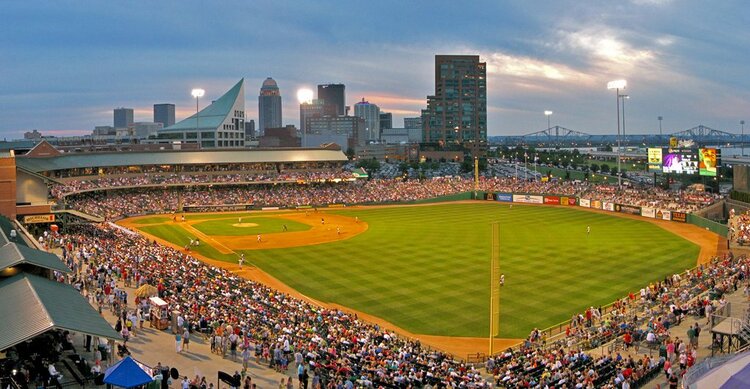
12	254
33	305
212	116
176	157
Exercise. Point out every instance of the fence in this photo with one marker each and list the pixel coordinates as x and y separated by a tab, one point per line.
717	228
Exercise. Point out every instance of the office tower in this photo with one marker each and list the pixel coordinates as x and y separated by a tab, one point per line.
371	114
457	112
269	106
218	125
386	120
164	114
123	117
346	131
249	129
333	94
315	108
413	122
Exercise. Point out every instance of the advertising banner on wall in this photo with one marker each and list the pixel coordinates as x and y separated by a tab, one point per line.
596	204
572	201
648	212
531	199
607	206
628	209
47	218
679	217
664	214
504	197
552	200
584	203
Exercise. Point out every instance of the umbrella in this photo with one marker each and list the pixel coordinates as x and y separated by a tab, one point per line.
146	291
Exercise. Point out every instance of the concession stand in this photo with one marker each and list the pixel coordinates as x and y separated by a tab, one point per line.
159	313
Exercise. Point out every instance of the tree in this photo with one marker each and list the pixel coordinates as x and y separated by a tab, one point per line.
594	167
613	171
605	168
370	165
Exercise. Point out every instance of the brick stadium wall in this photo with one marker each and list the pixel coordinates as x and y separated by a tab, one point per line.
8	186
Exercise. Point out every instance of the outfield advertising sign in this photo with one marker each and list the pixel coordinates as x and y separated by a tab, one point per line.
584	203
679	217
648	212
664	214
504	197
531	199
628	209
607	206
567	200
551	200
596	204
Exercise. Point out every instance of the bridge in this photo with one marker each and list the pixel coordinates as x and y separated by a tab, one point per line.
704	134
556	135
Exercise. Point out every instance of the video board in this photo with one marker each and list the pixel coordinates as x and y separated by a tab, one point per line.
680	161
709	159
654	159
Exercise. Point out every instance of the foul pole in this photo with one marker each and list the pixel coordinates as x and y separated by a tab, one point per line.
476	177
494	283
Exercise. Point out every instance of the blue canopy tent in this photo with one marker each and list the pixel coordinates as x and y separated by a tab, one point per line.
128	373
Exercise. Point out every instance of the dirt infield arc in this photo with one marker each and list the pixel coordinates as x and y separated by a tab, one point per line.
710	246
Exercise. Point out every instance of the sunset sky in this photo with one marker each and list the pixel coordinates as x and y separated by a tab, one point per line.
64	65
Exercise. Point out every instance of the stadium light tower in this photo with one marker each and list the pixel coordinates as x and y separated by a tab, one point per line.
548	114
660	118
742	137
197	93
617	85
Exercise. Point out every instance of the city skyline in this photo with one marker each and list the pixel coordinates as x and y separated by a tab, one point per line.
683	60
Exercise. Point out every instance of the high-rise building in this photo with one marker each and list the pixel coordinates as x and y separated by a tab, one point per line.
164	114
346	131
123	117
457	112
413	122
386	120
221	124
269	106
249	129
315	108
371	114
335	95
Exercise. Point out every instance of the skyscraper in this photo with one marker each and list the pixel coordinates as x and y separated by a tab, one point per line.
164	114
333	94
413	122
310	109
269	106
123	117
386	120
249	129
458	110
371	114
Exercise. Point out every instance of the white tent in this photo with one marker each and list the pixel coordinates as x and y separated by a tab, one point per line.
734	373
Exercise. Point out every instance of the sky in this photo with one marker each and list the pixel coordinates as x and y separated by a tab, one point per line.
65	65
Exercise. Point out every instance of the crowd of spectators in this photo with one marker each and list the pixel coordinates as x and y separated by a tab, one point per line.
329	344
293	193
674	200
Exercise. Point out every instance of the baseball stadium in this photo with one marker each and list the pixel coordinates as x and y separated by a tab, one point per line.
295	247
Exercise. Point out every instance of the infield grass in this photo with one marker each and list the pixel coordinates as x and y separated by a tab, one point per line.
427	269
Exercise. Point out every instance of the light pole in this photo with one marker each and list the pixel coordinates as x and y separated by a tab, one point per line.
660	118
197	93
535	172
525	166
742	137
617	85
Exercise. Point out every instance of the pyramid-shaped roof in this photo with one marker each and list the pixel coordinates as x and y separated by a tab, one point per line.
212	116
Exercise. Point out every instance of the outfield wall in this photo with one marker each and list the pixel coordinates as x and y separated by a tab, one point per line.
555	199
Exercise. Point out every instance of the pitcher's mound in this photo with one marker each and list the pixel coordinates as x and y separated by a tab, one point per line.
244	225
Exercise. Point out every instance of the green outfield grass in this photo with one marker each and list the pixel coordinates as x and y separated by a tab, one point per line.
265	225
427	269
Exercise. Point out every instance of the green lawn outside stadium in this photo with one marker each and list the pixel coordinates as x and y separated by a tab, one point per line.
426	269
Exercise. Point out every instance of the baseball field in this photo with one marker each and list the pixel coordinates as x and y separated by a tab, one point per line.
426	269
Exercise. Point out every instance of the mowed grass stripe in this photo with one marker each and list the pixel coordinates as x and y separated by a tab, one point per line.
426	269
